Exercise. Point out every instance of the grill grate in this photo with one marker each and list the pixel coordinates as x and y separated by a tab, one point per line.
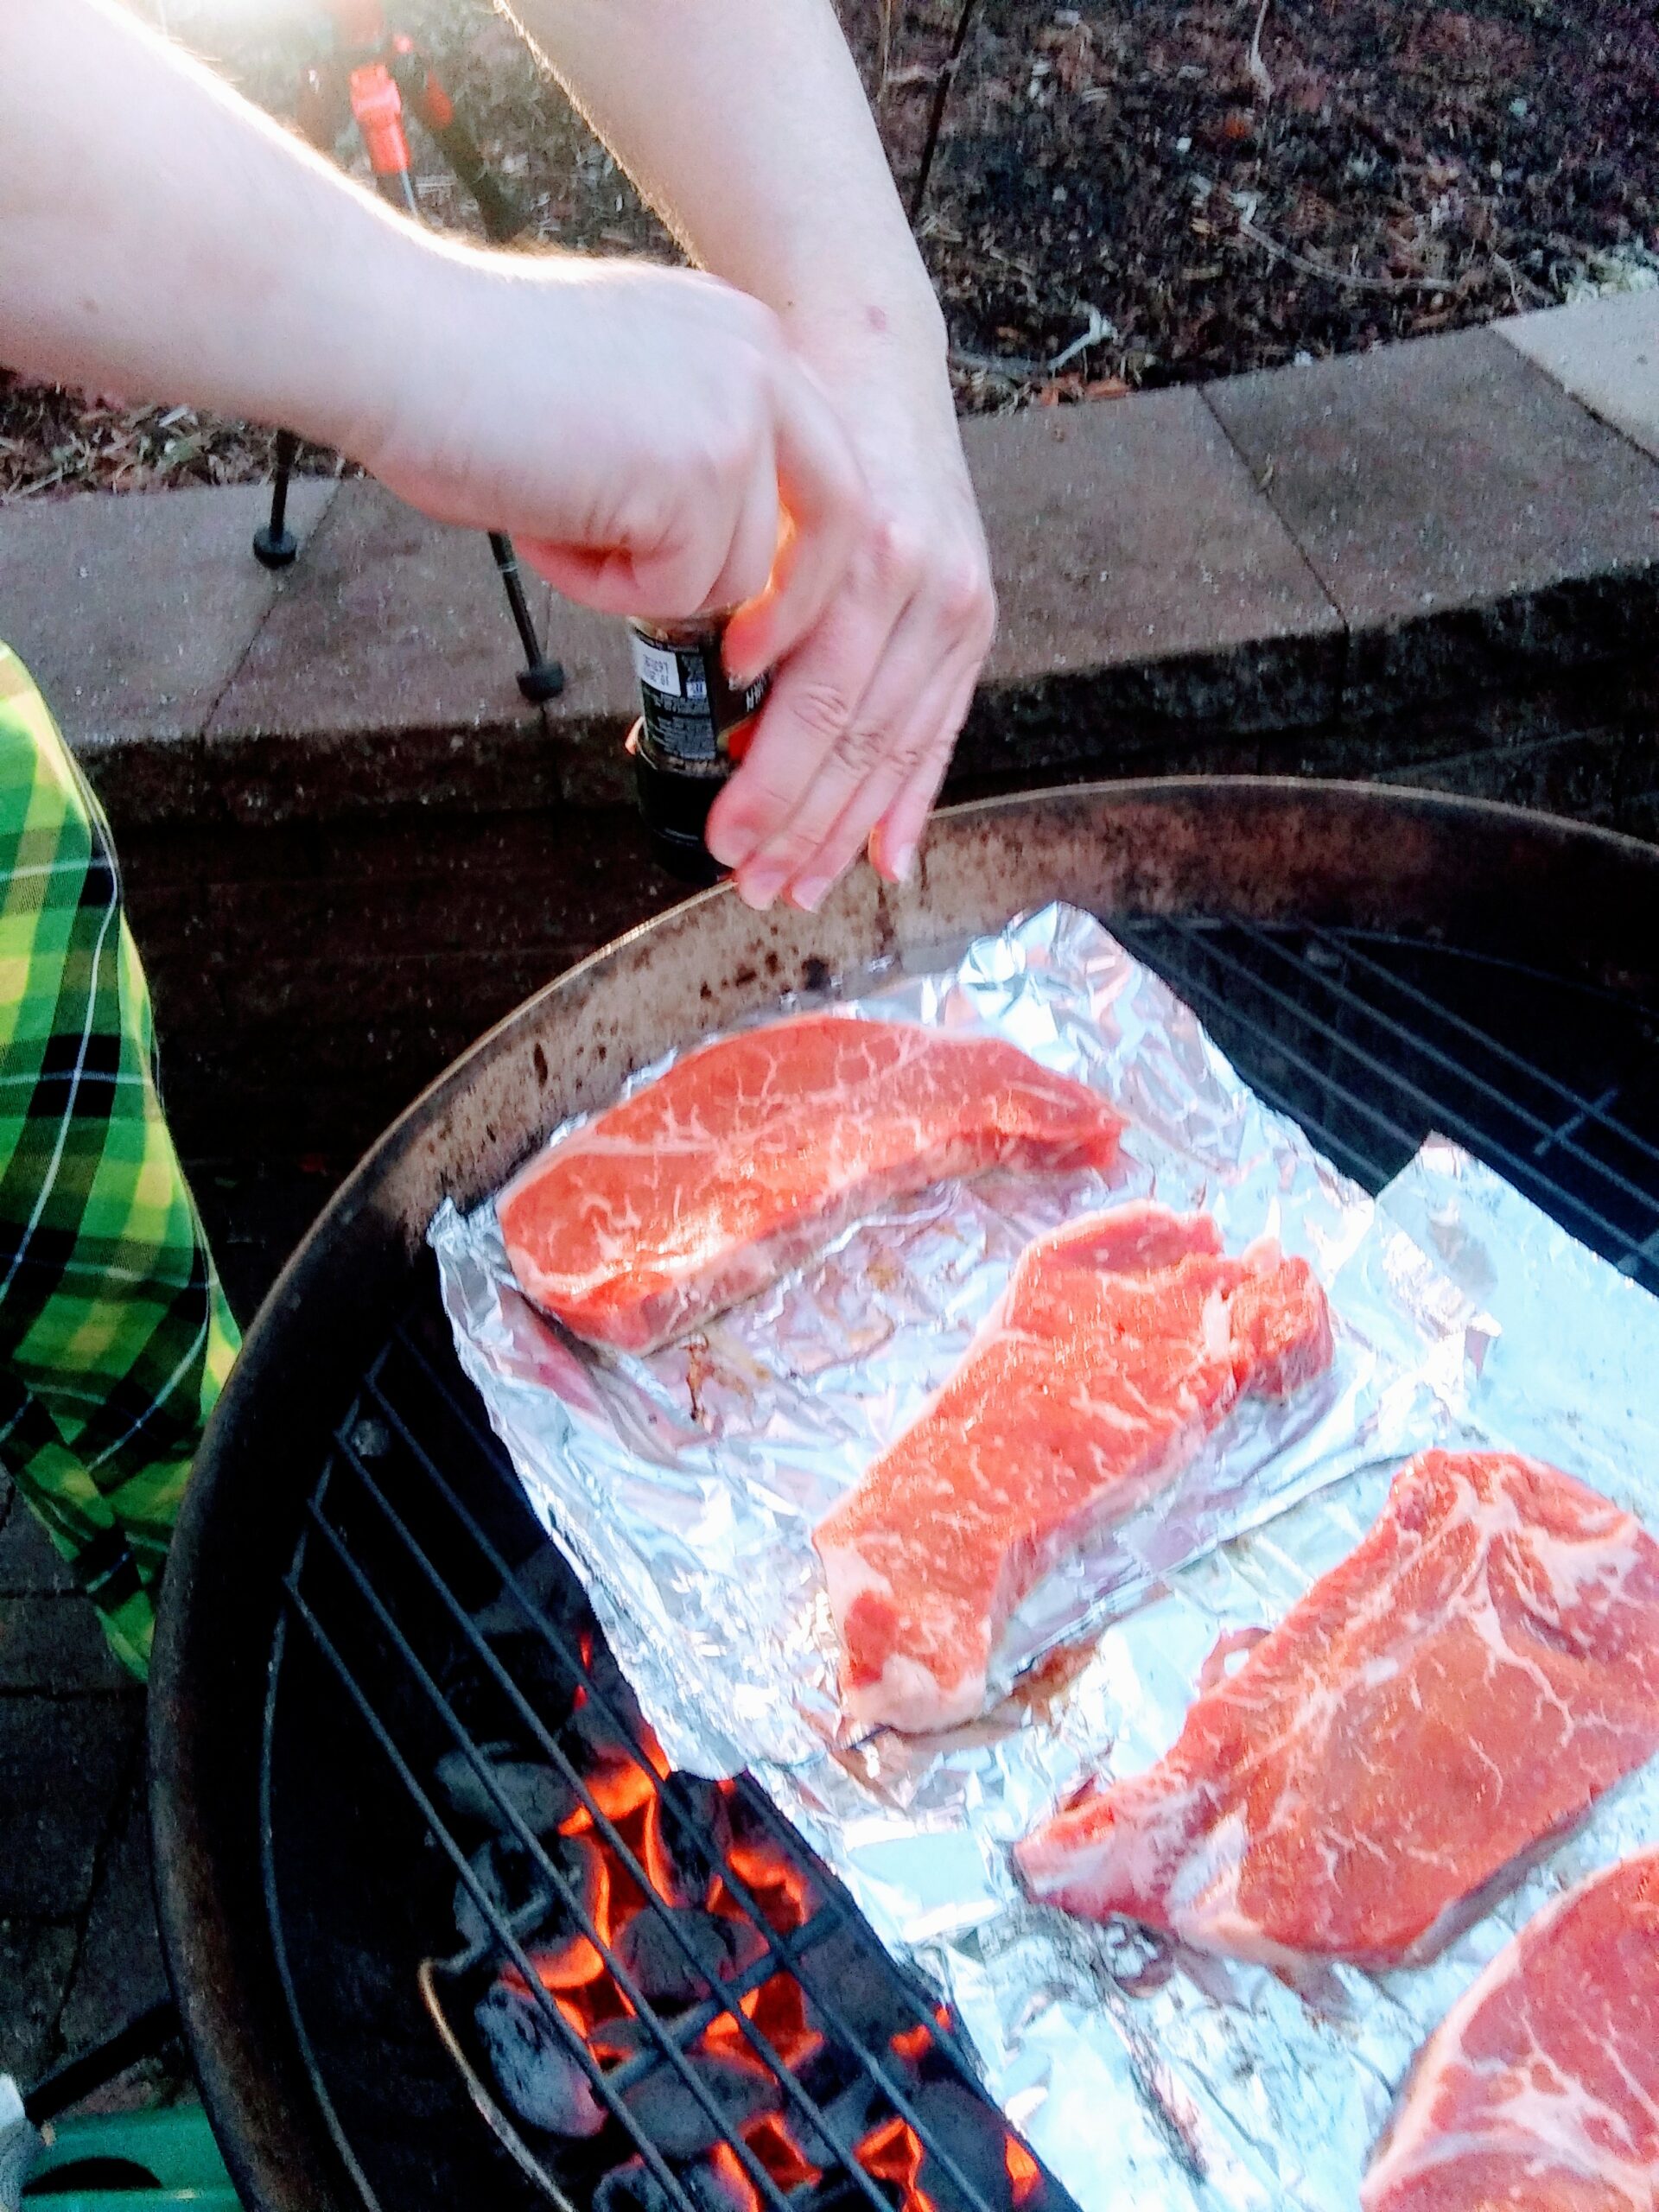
356	1542
417	1533
1339	1030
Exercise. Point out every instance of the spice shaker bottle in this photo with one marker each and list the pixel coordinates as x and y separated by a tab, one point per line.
693	729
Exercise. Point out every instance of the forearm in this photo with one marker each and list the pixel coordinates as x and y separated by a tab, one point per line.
159	236
744	124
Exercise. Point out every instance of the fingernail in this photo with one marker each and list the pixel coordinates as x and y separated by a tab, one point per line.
807	896
729	845
759	889
903	860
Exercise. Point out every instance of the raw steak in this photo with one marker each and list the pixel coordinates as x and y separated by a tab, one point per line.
1457	1691
1120	1343
706	1185
1539	2092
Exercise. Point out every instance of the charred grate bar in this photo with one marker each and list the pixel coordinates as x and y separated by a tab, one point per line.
654	1995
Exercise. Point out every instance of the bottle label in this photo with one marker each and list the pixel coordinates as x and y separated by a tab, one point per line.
689	708
656	667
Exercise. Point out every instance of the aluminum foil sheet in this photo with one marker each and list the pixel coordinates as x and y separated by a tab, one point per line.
685	1486
1144	2073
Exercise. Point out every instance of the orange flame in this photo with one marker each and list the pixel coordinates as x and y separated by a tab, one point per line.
778	2008
913	2044
781	1890
1023	2174
660	1870
780	2154
739	2189
570	1965
894	2153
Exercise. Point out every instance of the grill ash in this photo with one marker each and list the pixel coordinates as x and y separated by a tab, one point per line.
654	1976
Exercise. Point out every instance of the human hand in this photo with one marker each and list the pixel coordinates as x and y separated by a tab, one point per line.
856	737
645	433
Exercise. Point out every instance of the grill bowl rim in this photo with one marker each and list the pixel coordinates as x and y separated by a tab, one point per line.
1247	848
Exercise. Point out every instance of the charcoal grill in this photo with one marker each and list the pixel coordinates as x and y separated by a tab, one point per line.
358	1616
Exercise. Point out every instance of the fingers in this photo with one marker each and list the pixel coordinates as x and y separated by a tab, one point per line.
606	582
895	837
807	718
898	723
752	549
826	508
861	719
921	750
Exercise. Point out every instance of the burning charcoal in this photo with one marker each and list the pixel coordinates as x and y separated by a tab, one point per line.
860	1984
633	2187
513	1883
582	1863
662	2108
973	2133
607	1724
848	2113
646	1948
719	2183
697	1832
620	2039
541	1797
532	2065
545	1580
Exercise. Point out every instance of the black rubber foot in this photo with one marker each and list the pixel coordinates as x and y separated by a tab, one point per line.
543	682
277	551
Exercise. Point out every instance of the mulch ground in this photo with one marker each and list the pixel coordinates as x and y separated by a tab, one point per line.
1109	196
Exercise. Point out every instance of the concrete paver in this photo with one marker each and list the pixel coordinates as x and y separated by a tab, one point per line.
118	1972
133	614
63	1764
1131	600
28	1566
54	1644
392	622
1604	351
1469	520
36	1959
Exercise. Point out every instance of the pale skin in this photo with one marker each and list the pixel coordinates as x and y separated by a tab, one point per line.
652	436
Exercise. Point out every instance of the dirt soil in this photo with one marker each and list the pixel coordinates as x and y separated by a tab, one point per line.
1108	196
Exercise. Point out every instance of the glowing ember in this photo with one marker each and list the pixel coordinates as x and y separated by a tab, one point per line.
782	1893
680	1937
780	2154
617	1791
894	2153
778	2008
740	2190
1023	2174
570	1965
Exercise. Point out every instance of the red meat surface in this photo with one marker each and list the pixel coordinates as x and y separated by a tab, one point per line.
1539	2092
1459	1690
1119	1344
749	1154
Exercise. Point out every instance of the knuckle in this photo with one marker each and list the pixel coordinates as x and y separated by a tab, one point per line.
862	747
966	598
898	553
822	710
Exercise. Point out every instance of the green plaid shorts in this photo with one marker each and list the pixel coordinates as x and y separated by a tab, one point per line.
115	1337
